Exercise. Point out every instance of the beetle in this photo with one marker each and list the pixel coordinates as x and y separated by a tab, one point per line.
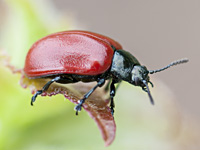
73	56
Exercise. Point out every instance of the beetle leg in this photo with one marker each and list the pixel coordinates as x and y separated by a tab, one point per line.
79	106
112	94
45	88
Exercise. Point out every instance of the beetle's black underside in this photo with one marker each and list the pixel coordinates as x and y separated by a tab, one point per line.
72	78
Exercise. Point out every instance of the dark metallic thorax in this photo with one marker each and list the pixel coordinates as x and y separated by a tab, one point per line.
122	65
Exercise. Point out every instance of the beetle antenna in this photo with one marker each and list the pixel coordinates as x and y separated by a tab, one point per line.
181	61
148	91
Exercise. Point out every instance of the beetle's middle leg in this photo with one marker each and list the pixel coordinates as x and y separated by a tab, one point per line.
79	106
113	90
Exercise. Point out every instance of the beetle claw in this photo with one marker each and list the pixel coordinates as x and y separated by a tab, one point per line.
112	111
32	100
35	96
78	108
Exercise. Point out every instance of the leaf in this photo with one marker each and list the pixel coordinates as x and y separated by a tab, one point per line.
96	105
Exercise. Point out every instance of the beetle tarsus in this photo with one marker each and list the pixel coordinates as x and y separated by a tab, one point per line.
112	107
78	107
76	113
112	111
39	92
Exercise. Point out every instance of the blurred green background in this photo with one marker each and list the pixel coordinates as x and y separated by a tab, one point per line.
51	124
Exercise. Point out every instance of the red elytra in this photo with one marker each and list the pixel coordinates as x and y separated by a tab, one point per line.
70	52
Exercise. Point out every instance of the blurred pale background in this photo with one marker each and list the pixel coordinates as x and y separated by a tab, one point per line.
156	32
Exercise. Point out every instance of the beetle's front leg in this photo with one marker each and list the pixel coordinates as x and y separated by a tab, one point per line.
45	88
58	79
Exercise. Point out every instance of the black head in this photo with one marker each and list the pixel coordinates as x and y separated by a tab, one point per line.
140	76
126	67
